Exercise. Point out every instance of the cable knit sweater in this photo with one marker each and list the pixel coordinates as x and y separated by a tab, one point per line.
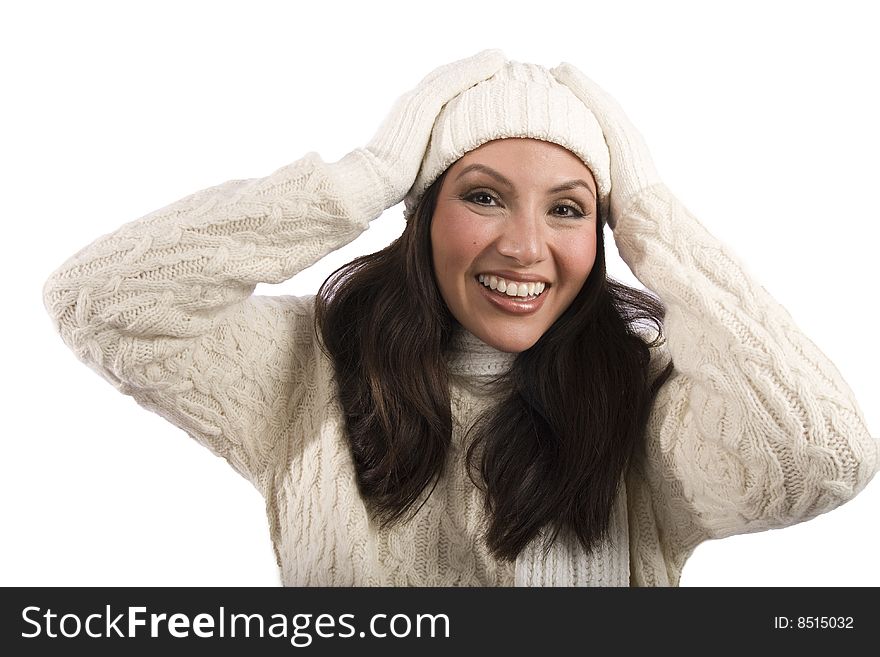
754	430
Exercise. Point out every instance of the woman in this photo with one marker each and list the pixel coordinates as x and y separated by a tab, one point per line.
418	423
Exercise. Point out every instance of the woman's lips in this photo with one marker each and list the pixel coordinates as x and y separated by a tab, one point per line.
512	305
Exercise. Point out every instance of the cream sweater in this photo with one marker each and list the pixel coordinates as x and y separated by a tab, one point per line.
755	429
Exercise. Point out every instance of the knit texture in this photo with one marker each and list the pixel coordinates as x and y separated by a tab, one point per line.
755	429
520	100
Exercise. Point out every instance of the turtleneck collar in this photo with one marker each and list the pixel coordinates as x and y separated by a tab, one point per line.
470	357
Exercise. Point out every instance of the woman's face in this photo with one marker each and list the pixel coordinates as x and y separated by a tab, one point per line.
513	216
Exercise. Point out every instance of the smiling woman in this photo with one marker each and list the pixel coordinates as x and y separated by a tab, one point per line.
537	355
491	248
478	403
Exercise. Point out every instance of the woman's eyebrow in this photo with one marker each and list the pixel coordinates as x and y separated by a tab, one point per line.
564	187
488	171
572	184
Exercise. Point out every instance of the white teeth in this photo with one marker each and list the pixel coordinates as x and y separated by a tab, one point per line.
511	289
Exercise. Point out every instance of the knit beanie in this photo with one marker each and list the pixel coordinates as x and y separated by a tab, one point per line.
521	100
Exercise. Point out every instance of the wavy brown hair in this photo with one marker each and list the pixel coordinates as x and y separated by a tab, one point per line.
550	454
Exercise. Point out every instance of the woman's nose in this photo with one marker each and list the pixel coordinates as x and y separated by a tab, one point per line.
523	239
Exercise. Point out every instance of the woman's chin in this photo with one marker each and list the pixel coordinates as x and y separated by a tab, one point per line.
512	343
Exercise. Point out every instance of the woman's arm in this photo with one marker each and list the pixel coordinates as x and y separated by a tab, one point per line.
755	429
162	307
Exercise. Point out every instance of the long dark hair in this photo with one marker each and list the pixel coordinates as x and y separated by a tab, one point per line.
552	452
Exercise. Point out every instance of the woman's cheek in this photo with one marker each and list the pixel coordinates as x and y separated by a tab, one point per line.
467	233
578	254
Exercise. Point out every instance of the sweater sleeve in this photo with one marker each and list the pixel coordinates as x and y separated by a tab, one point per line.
755	428
162	308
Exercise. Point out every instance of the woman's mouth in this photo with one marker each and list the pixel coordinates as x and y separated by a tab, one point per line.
517	298
516	290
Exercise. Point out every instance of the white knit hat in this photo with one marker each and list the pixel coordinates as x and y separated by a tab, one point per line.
521	100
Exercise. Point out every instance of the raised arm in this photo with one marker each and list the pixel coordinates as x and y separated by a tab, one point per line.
162	308
755	429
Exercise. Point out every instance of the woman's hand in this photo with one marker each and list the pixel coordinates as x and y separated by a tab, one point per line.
396	151
632	168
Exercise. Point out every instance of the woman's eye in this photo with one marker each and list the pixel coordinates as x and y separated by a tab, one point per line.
569	211
480	198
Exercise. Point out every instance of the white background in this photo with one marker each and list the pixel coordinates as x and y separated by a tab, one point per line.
761	116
